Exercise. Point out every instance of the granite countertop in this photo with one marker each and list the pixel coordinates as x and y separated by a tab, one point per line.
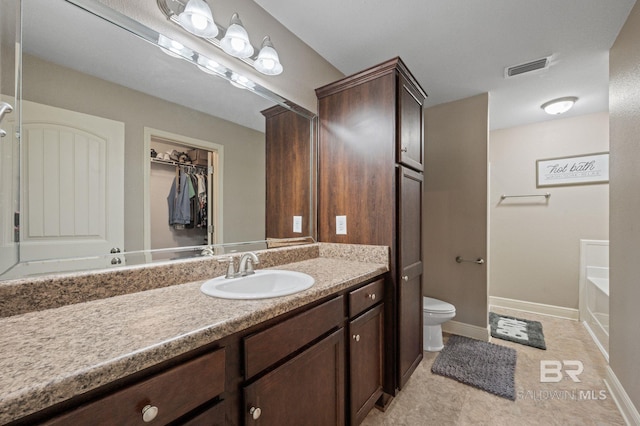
52	355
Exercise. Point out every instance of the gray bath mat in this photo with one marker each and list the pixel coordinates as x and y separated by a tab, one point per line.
517	330
486	366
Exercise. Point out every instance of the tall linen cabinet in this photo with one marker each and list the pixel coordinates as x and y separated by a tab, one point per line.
370	164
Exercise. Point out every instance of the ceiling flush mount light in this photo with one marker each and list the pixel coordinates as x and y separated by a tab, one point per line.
268	61
559	106
236	40
197	19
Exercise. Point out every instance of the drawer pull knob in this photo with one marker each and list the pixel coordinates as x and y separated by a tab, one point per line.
404	149
149	412
255	412
405	278
356	337
372	296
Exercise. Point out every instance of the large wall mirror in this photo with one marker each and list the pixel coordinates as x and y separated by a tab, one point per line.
133	149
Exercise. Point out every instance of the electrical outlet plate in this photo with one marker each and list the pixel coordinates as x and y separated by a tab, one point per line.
297	224
341	225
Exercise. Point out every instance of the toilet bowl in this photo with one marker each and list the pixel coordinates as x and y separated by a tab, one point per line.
435	312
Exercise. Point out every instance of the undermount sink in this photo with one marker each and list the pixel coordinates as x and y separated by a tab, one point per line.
265	283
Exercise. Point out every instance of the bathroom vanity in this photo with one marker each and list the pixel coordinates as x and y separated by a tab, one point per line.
173	354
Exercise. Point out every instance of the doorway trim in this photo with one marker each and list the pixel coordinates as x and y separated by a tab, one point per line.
217	179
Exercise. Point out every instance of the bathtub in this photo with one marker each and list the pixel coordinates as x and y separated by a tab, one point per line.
594	291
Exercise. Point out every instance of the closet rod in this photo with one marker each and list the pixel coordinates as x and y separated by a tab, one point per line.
545	195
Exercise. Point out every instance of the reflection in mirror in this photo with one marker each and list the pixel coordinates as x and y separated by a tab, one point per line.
135	152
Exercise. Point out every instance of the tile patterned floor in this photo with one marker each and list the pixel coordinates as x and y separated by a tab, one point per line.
429	399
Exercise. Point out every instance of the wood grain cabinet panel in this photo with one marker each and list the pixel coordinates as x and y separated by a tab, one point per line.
288	172
306	390
174	393
365	297
371	126
275	343
365	364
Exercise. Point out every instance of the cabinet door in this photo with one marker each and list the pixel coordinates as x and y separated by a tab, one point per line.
288	173
410	126
307	390
410	274
365	374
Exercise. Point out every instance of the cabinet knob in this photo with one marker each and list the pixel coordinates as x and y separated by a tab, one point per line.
356	337
404	149
115	250
405	278
255	412
149	412
372	296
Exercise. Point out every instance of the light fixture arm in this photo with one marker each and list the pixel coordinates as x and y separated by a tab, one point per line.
172	8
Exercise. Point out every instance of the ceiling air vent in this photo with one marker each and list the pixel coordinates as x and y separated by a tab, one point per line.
536	65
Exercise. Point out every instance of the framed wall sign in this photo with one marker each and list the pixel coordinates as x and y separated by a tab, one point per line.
576	170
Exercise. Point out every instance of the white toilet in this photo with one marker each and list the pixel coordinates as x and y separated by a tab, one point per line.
435	312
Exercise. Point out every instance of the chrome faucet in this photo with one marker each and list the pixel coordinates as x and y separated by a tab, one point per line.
246	264
245	268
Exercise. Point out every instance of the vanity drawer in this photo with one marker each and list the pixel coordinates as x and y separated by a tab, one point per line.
174	392
271	345
365	297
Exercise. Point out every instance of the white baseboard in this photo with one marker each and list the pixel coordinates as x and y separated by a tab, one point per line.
466	330
536	308
622	400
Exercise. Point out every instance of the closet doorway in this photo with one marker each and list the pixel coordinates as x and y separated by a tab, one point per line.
183	200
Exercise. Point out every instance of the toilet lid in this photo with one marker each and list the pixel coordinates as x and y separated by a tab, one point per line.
437	306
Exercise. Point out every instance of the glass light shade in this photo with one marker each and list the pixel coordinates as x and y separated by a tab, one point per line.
241	82
209	66
174	48
559	106
268	61
197	19
236	40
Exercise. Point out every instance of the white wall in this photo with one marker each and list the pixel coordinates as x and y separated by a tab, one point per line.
535	243
455	206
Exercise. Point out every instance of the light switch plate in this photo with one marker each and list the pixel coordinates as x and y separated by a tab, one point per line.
341	225
297	224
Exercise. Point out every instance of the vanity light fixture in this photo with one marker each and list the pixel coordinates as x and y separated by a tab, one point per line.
268	61
197	19
209	66
236	40
559	105
241	82
174	48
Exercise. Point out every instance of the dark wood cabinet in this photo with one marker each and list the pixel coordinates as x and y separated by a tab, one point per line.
160	399
321	364
410	337
370	159
288	172
410	123
306	390
365	362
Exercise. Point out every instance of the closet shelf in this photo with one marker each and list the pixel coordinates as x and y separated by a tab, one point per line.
177	163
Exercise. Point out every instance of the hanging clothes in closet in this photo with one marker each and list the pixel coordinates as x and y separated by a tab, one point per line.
187	199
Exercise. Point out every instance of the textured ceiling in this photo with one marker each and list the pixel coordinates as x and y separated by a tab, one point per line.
459	48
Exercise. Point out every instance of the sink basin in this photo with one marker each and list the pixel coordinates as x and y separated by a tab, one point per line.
265	283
